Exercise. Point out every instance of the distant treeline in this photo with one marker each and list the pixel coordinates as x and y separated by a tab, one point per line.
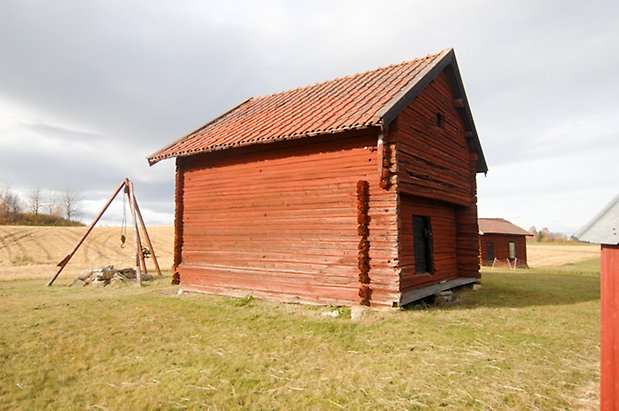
546	236
36	220
39	208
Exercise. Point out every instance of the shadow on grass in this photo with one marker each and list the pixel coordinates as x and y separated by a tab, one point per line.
557	289
524	288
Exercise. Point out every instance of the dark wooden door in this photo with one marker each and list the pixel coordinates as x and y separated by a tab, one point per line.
422	243
490	250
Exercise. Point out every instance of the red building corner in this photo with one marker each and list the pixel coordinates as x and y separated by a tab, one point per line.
603	229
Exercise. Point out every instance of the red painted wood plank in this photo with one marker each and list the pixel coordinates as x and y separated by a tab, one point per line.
609	318
284	222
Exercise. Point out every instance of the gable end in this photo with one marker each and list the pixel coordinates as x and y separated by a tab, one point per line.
447	61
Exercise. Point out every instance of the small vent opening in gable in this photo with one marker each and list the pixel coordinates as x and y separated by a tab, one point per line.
440	120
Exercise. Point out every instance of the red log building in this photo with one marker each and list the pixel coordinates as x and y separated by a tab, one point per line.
358	190
502	241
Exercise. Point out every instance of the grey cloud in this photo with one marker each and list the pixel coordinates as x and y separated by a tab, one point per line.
60	133
128	77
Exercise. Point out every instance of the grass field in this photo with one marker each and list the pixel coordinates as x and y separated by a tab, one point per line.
552	255
529	339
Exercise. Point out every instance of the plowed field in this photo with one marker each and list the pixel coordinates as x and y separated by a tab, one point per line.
33	252
553	255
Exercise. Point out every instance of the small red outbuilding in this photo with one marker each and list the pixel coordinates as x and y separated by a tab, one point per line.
502	241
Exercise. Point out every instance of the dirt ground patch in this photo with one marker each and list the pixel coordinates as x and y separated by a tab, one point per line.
546	255
33	252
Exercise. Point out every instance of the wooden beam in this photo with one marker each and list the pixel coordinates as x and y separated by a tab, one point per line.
139	256
66	260
148	242
423	292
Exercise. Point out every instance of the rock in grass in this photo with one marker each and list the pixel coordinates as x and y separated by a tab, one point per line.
116	281
107	272
78	283
84	275
444	297
108	275
357	312
98	283
128	273
332	314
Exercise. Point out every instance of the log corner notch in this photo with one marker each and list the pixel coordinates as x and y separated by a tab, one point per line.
387	163
178	222
459	103
363	230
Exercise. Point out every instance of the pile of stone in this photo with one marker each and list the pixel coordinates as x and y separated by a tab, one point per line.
107	275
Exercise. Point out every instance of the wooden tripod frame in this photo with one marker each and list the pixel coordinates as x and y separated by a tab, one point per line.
136	218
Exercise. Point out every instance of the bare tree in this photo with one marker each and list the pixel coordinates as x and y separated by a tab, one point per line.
13	203
51	203
70	200
10	202
35	200
4	188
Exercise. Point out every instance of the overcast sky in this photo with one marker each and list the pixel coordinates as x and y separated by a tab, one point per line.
88	89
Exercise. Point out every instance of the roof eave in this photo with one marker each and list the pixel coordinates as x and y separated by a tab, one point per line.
505	233
155	159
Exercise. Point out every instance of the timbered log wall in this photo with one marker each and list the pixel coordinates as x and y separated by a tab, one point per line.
433	162
468	228
281	221
178	222
288	220
436	177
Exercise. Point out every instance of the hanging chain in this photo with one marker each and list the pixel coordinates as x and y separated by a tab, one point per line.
123	226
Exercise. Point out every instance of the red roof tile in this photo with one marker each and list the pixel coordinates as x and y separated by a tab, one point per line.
346	103
500	226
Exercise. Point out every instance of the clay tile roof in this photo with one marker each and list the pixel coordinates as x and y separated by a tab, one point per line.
500	226
353	102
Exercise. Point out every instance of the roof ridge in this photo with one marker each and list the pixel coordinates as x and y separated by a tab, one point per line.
361	100
323	84
318	83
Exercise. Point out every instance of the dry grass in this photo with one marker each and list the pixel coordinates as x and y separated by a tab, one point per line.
529	339
33	252
552	255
